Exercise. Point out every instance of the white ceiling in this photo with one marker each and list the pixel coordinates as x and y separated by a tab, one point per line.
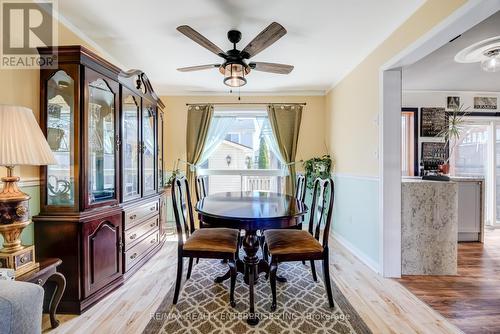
326	38
439	71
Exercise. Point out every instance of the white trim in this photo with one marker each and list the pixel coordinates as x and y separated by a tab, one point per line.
242	172
28	183
449	91
100	50
357	176
390	173
465	17
461	20
356	252
243	93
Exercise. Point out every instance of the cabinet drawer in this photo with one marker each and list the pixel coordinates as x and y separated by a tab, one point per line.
136	233
136	253
138	214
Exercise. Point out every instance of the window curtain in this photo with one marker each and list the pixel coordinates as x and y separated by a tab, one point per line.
198	125
216	134
285	121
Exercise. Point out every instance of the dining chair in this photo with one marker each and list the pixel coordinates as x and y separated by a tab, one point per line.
300	194
201	187
206	243
286	245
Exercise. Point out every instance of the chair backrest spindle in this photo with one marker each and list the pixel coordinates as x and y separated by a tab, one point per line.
183	209
300	187
322	204
201	187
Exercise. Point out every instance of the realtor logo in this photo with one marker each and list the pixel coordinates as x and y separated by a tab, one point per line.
25	26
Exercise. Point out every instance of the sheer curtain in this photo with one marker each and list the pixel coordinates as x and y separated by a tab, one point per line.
216	134
267	132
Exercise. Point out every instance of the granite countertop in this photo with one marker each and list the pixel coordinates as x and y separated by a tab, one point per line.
418	179
452	178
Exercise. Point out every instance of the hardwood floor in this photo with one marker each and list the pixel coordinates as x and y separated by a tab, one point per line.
384	304
470	300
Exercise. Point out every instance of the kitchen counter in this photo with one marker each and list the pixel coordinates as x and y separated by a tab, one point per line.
429	227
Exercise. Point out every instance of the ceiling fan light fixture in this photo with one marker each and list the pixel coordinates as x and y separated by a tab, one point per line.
234	75
492	61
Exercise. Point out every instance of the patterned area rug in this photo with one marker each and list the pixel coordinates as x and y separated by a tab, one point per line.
203	306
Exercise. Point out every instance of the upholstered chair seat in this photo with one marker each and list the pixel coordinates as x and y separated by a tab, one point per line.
280	242
223	240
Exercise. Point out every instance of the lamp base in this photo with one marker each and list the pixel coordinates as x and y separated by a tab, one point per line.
14	217
22	261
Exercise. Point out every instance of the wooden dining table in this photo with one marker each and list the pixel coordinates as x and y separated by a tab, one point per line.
252	212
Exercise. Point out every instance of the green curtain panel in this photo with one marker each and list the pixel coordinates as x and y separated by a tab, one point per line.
198	123
285	121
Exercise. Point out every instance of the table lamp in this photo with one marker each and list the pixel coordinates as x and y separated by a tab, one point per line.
21	143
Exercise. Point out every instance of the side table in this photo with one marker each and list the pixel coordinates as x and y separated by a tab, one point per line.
47	272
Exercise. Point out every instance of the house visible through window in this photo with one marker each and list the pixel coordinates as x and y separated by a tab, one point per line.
241	153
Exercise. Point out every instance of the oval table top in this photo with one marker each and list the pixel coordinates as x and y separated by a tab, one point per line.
240	208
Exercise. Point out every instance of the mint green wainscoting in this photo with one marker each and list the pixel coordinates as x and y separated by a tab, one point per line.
356	216
27	236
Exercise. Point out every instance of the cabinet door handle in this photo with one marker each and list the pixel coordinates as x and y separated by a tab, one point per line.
133	256
133	236
152	208
133	217
153	241
152	224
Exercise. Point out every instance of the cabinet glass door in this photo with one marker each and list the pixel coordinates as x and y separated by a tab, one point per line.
160	150
60	135
148	149
101	152
130	147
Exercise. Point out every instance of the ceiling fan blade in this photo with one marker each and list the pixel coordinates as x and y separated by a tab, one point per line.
271	67
200	39
268	36
197	68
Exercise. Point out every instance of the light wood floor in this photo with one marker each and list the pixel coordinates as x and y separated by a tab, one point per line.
384	304
470	300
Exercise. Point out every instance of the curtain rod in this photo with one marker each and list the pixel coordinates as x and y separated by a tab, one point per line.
247	103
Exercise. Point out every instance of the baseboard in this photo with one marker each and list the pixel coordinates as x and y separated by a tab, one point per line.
357	253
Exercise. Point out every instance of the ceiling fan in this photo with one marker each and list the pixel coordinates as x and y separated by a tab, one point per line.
235	66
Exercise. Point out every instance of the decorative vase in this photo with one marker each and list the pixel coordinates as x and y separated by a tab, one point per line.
444	168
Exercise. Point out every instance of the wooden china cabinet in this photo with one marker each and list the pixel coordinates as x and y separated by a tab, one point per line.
100	205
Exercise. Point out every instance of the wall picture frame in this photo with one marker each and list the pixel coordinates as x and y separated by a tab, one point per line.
485	102
432	121
434	153
453	102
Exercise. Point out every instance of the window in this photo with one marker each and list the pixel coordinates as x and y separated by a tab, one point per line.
408	149
241	153
233	137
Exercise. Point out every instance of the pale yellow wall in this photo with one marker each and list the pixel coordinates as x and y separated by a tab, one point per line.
22	87
352	106
312	130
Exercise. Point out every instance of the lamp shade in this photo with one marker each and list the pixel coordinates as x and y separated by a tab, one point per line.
21	139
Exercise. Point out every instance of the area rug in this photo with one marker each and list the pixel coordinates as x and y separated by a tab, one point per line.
203	306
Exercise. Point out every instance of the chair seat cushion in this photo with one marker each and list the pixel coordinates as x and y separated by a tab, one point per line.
287	241
223	240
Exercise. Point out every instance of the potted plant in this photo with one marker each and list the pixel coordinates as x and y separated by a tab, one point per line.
451	134
317	167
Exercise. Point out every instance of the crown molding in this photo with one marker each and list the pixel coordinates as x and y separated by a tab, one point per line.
99	50
478	92
234	94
